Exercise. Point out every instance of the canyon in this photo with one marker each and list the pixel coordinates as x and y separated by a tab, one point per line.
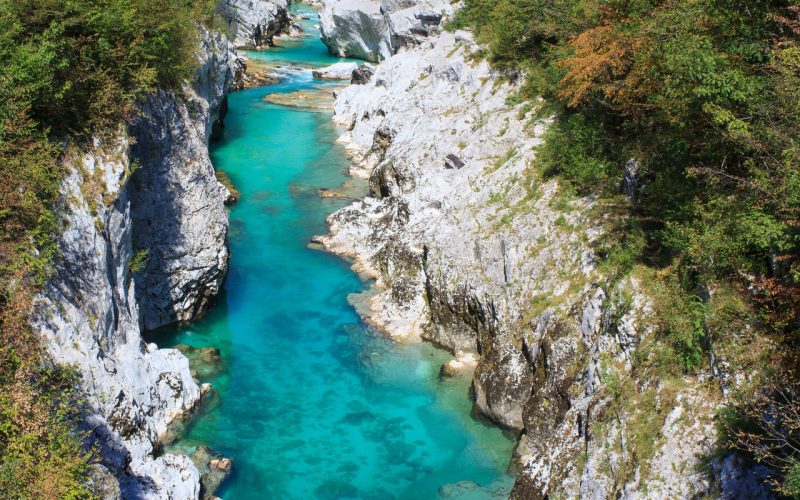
463	244
472	250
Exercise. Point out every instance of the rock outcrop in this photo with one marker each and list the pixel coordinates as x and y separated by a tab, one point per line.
337	71
253	24
473	250
362	74
128	204
373	30
355	28
177	204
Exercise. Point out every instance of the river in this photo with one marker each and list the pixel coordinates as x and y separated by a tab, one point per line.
312	403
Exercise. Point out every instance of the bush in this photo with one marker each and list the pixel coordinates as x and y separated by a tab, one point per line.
791	484
578	151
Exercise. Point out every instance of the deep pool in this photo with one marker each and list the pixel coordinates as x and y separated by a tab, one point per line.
313	404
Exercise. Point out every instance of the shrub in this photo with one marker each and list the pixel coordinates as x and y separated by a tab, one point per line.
578	151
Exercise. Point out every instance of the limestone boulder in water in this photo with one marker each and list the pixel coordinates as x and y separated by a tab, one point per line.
355	28
213	469
373	30
253	23
337	71
463	363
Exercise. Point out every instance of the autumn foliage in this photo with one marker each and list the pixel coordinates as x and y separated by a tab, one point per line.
703	94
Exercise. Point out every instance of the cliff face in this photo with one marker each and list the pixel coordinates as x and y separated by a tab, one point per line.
372	30
474	251
158	193
176	203
252	24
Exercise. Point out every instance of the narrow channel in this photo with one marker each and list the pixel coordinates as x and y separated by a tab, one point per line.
311	403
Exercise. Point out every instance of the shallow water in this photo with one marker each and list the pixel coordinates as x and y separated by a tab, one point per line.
312	403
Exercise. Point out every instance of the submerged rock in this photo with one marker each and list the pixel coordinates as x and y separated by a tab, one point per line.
212	474
473	491
306	99
462	364
233	193
206	362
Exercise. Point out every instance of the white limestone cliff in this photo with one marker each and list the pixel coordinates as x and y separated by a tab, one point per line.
154	195
253	24
373	30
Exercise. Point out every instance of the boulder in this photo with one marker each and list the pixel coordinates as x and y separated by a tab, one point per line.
223	464
338	71
411	22
362	74
254	23
372	30
211	475
463	363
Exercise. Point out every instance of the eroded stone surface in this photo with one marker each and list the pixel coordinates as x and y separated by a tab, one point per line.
253	24
92	310
374	30
177	204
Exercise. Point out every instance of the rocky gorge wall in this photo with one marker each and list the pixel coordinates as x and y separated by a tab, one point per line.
143	245
473	250
253	24
372	30
177	204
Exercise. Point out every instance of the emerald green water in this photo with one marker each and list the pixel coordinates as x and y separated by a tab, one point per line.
312	403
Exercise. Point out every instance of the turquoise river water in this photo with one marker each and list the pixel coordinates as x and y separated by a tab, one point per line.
312	403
